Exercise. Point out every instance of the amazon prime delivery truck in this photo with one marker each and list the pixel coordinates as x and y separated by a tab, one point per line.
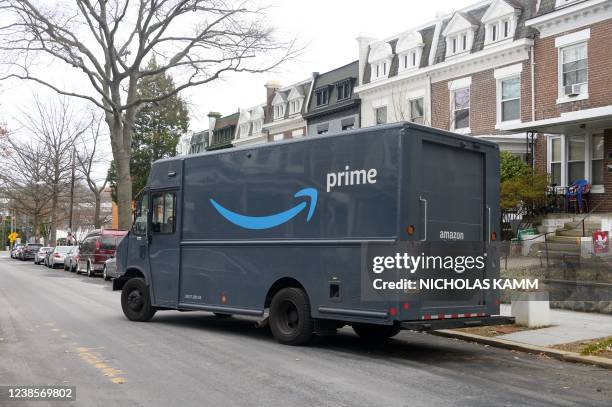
286	231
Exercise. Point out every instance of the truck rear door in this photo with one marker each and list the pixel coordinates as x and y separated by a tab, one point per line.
453	209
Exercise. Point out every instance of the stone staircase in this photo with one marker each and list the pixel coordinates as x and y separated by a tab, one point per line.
565	240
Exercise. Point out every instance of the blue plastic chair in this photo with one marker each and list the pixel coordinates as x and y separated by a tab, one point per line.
575	192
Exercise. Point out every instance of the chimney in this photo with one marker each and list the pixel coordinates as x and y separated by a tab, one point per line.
212	120
271	88
364	42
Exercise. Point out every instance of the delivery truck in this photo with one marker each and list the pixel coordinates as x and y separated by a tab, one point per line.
281	231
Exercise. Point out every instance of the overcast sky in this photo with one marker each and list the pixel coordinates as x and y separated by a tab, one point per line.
327	27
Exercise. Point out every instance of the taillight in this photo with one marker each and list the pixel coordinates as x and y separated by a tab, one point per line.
56	255
97	245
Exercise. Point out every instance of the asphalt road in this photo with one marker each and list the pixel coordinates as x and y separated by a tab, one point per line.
60	328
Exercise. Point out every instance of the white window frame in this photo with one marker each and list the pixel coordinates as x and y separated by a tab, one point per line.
376	114
279	111
380	69
574	39
458	38
413	57
588	159
410	115
455	85
503	74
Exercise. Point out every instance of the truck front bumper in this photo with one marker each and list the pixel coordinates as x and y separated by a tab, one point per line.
435	324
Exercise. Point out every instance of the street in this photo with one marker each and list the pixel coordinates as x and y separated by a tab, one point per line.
58	328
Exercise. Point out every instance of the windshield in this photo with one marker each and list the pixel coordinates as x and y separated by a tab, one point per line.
63	249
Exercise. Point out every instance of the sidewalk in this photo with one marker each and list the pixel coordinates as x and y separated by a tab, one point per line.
567	326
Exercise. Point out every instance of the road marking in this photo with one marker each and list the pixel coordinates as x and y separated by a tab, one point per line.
96	360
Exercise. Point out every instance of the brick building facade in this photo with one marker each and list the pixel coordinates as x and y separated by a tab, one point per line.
573	95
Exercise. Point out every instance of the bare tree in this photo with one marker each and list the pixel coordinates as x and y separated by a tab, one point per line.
55	126
24	181
109	42
88	157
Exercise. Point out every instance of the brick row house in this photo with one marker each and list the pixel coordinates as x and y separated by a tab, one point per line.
572	120
468	72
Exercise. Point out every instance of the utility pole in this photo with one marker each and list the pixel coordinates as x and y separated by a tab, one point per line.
70	232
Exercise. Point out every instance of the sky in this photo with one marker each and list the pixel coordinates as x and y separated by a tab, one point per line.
326	28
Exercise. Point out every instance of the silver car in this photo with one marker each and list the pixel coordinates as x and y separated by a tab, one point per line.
110	269
40	255
57	257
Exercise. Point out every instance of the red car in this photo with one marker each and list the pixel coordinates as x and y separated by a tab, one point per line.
96	248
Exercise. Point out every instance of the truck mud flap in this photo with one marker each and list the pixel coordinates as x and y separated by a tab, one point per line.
432	325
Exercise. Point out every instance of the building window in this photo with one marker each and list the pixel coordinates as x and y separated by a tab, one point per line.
458	43
597	162
411	59
573	70
323	128
322	96
343	90
347	124
279	111
510	99
461	109
575	158
381	114
416	110
295	106
555	161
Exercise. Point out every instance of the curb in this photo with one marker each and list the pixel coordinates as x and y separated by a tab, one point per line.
524	347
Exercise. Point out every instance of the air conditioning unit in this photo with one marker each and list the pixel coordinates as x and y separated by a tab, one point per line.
573	90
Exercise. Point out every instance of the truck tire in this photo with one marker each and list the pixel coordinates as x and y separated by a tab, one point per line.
136	301
372	332
290	319
90	272
104	275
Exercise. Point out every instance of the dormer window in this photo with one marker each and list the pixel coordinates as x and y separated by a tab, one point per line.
409	48
343	90
279	111
500	21
296	99
380	60
458	44
459	35
321	96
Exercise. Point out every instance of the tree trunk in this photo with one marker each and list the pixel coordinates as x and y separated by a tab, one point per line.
121	143
97	220
53	220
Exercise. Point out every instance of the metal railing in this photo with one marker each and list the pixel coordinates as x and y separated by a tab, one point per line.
545	234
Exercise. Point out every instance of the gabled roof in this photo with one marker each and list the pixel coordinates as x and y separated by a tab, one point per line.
498	9
227	121
460	22
279	97
296	92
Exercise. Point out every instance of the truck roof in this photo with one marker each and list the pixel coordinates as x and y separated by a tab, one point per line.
401	125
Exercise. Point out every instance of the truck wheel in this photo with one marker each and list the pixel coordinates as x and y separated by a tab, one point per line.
290	319
136	301
222	315
104	275
371	332
90	272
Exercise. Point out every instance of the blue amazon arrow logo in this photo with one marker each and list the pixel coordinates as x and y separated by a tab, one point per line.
268	222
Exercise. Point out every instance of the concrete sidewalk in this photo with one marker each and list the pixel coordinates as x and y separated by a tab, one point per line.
567	326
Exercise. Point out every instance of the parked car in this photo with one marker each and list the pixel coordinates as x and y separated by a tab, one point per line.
57	256
110	269
40	255
28	252
15	250
96	248
70	262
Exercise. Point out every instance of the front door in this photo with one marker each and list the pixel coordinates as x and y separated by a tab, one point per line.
164	247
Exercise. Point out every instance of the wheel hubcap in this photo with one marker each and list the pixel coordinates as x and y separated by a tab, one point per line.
135	300
289	318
